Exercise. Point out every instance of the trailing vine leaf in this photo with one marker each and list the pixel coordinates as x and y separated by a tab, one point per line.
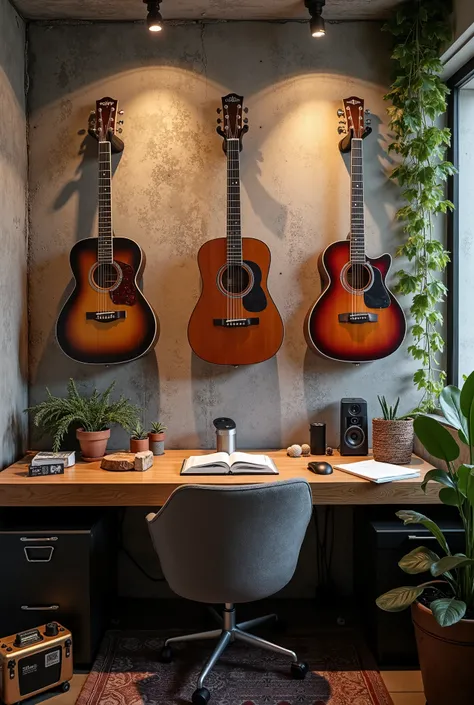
418	98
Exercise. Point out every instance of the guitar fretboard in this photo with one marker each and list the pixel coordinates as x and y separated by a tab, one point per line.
357	240
105	244
234	232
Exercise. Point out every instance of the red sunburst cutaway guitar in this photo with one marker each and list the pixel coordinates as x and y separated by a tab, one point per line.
356	318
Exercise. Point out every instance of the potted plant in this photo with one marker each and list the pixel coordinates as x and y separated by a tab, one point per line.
139	438
443	607
392	436
92	415
157	438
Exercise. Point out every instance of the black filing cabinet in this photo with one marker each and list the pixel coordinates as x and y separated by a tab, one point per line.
58	565
379	545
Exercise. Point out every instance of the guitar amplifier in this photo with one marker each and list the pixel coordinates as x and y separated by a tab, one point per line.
34	661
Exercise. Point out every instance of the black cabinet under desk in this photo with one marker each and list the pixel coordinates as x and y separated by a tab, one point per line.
58	565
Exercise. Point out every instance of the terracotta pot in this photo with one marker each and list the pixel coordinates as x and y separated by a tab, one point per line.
137	445
157	443
93	443
392	441
446	657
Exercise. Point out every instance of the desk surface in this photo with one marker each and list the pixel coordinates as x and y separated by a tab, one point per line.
86	484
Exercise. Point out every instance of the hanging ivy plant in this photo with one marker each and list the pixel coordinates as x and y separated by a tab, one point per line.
421	28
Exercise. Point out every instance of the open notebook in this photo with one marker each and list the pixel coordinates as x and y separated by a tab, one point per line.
225	464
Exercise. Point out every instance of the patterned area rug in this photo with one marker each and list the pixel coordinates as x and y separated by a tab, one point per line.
127	672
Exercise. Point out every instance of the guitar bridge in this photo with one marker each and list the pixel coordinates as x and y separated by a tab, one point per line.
236	322
105	316
355	318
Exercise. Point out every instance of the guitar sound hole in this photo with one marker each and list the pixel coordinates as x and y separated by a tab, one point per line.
235	279
358	276
105	276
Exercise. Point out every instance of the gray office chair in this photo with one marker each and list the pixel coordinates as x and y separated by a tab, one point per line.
231	545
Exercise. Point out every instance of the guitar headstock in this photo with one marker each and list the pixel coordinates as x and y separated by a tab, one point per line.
232	125
106	121
353	121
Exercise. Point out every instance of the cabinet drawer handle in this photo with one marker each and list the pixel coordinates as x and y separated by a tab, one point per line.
49	550
414	537
30	539
32	608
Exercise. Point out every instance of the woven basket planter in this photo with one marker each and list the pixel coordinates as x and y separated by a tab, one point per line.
392	441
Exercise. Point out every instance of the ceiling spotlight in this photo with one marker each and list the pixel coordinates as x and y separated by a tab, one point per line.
316	23
154	19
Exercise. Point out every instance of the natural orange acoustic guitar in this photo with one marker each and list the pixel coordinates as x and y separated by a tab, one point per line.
106	319
235	321
356	318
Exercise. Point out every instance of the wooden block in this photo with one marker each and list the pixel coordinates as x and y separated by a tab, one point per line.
143	460
118	462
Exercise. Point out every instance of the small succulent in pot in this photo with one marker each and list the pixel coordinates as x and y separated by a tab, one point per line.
392	435
157	438
138	438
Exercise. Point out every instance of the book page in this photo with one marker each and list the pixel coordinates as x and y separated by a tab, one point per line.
249	459
210	459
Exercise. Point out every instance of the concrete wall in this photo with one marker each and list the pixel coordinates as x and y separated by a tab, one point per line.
13	236
463	16
169	195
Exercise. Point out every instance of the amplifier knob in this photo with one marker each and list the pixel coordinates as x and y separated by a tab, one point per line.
51	629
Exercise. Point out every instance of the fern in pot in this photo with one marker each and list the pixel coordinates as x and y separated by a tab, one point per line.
392	435
443	606
92	415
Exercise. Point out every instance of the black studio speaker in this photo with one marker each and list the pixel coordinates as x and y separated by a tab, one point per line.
354	436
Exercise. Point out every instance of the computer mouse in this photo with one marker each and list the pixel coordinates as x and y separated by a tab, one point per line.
320	468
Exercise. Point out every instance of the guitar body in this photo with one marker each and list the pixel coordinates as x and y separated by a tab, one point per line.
106	320
208	337
354	342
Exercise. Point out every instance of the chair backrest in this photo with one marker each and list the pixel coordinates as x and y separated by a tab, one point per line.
231	544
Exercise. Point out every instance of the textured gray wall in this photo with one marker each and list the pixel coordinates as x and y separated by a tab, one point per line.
169	195
13	236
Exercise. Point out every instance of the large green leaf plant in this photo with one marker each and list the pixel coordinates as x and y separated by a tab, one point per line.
418	98
452	575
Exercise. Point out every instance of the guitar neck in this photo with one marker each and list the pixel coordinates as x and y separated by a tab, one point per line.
357	237
234	232
105	244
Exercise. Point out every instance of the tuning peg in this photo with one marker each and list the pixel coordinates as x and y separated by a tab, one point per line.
219	121
246	110
341	130
340	113
367	112
246	120
120	130
121	122
219	110
121	112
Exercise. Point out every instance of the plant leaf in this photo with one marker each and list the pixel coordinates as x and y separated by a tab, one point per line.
450	402
408	516
418	561
444	565
467	396
450	497
437	475
399	599
448	611
436	438
465	478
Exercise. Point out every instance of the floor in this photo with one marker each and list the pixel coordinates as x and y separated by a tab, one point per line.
405	688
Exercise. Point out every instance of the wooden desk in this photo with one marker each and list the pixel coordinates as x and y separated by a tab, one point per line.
86	484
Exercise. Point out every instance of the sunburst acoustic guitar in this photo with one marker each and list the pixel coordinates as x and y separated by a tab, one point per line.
235	321
106	319
356	318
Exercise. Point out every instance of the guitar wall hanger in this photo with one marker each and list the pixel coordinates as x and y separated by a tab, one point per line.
345	143
94	129
222	128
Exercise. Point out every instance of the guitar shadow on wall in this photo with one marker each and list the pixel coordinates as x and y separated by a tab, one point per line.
272	213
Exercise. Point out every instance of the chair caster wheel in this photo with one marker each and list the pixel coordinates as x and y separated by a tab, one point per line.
65	686
166	655
201	696
299	670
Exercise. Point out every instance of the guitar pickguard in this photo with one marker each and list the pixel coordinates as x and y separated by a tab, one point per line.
255	301
377	296
126	293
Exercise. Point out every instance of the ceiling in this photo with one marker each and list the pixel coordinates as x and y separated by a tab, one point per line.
199	9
